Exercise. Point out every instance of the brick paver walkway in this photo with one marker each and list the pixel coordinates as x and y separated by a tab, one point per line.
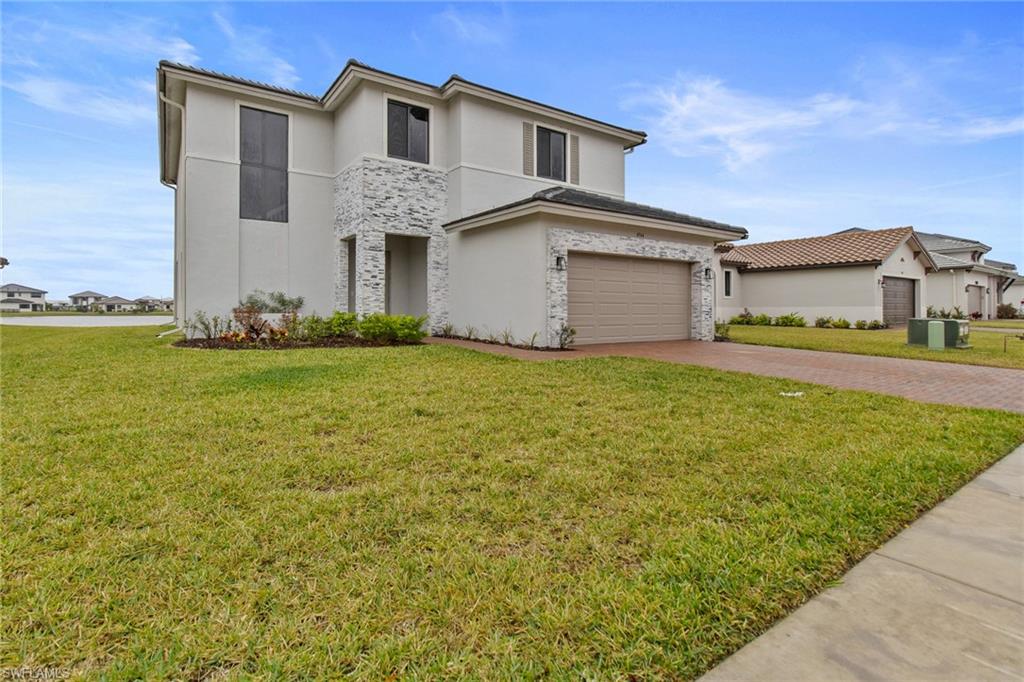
923	380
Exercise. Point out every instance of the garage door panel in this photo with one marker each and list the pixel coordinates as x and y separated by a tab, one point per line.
614	299
897	300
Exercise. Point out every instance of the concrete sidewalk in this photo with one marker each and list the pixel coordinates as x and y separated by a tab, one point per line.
943	600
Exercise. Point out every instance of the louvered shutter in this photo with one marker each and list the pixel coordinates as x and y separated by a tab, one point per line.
574	159
528	153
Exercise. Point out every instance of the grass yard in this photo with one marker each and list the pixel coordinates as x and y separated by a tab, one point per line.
987	350
434	512
78	313
1000	324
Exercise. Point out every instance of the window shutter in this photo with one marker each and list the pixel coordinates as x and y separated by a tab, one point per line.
528	154
574	159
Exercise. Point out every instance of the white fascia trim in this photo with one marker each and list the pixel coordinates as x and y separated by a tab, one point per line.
547	208
243	89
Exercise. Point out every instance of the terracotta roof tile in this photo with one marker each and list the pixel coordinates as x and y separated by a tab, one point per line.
846	248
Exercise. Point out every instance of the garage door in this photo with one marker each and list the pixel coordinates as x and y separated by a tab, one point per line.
897	300
613	298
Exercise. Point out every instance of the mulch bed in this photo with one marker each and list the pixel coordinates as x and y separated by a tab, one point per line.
264	344
521	346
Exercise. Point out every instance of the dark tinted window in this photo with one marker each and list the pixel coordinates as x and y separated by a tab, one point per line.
408	132
728	283
550	154
264	165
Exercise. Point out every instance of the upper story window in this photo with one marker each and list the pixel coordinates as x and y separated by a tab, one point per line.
264	165
550	154
37	295
727	284
408	132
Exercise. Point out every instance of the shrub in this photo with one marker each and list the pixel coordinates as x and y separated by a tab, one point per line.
566	335
743	318
250	321
448	329
761	320
957	314
841	323
861	324
532	341
930	311
876	324
470	332
272	302
342	324
1006	311
507	338
721	331
391	328
790	320
206	327
976	316
823	322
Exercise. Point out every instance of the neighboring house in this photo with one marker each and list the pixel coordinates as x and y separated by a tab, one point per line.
150	303
58	305
964	278
857	274
85	299
20	298
1014	295
461	202
116	304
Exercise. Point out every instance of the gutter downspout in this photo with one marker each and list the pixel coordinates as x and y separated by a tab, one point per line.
165	100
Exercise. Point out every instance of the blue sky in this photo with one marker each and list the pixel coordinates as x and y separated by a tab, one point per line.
790	120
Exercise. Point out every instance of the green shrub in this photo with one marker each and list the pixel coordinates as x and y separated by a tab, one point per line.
876	324
391	328
761	320
861	324
721	331
790	320
930	311
841	323
342	324
271	302
743	318
823	322
1006	311
566	335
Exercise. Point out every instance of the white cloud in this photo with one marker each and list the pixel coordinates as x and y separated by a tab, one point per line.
888	96
474	29
92	102
251	45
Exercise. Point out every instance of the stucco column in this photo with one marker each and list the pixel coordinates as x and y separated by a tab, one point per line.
370	272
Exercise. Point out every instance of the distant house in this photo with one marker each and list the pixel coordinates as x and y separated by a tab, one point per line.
855	274
150	303
20	298
116	304
85	299
964	278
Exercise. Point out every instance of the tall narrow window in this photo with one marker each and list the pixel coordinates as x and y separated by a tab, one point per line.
264	165
550	154
408	132
728	283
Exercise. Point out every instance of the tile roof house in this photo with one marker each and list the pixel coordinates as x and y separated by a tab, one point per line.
966	279
467	204
116	304
20	298
855	274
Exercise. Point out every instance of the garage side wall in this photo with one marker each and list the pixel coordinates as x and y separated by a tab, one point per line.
848	292
497	278
902	263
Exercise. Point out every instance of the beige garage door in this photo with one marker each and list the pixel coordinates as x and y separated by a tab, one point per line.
614	298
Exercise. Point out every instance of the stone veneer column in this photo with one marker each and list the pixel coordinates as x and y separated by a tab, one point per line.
370	272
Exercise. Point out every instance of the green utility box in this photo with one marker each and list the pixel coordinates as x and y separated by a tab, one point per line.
955	332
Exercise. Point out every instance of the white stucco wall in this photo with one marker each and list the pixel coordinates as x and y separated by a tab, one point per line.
948	289
497	279
1015	295
849	292
224	257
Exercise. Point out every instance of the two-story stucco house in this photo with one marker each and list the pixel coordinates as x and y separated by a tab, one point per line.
85	299
461	202
20	298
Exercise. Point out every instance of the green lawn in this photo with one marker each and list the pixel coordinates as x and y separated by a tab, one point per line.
1001	324
987	350
433	512
48	313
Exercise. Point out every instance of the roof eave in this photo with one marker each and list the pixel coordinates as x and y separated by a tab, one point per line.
538	207
746	268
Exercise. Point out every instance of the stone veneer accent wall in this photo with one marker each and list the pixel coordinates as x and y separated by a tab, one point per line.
561	241
374	197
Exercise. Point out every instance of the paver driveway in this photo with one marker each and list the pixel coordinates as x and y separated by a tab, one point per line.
931	382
